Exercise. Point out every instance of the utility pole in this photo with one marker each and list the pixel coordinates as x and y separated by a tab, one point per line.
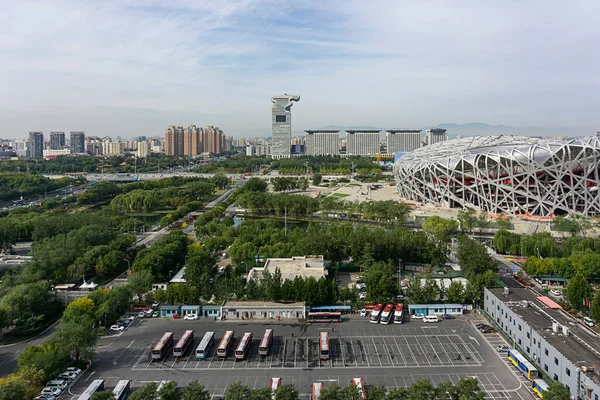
285	221
399	275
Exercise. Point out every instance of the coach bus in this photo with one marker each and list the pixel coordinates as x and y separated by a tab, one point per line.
324	345
387	315
265	343
224	344
316	390
376	314
159	350
524	366
399	313
540	387
242	349
95	386
275	383
334	308
360	386
183	343
121	391
324	316
204	346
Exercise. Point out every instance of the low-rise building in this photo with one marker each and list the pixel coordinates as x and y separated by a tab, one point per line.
290	268
262	310
435	309
167	310
190	309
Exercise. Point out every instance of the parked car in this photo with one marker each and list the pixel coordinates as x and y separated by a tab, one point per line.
149	313
142	314
191	316
556	292
59	383
155	305
480	325
74	369
54	391
68	375
417	316
588	321
361	286
487	329
155	314
448	316
362	295
46	396
502	349
117	328
363	312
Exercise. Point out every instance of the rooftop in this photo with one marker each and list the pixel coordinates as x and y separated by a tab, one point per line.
178	278
321	131
265	304
403	130
351	131
292	267
581	346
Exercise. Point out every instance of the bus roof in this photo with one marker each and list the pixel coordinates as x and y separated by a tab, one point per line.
91	389
206	338
275	382
378	308
522	359
388	308
399	307
265	339
184	338
120	386
541	383
324	339
326	308
245	339
163	340
316	390
225	339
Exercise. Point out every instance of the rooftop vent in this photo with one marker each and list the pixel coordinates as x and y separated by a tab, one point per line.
524	303
555	327
506	290
565	330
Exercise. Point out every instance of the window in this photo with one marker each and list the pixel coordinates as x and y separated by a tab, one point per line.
527	349
546	351
595	397
519	342
555	377
568	371
546	367
519	327
510	319
528	336
498	307
555	360
534	341
280	118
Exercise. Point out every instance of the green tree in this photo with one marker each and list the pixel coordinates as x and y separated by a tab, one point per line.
376	393
350	392
400	393
430	290
504	222
596	307
317	178
12	388
45	357
169	391
4	318
578	291
330	392
140	282
146	392
200	269
77	337
421	389
467	218
237	391
446	391
220	180
440	227
474	258
260	394
106	395
468	389
286	392
557	391
379	285
456	292
195	391
30	304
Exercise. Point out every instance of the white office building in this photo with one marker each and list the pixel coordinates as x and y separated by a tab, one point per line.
435	135
322	143
402	140
362	143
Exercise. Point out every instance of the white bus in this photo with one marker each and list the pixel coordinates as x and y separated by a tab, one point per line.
121	391
360	386
183	343
242	349
399	313
265	343
387	314
224	344
324	345
275	383
158	351
204	346
95	386
376	314
316	390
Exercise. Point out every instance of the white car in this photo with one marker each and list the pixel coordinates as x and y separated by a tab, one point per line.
68	375
417	316
190	316
556	292
149	313
129	318
54	391
361	286
117	328
74	370
588	321
362	295
363	312
141	314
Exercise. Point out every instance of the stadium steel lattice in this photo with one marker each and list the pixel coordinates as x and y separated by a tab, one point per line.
505	174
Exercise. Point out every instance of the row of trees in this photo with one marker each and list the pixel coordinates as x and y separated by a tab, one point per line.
13	185
164	258
283	184
587	264
542	244
480	269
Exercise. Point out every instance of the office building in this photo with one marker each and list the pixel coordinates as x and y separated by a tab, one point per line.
20	147
77	142
281	119
322	143
559	347
36	145
362	142
57	140
435	135
402	140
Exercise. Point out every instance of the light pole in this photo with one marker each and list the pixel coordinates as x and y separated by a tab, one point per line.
399	275
128	263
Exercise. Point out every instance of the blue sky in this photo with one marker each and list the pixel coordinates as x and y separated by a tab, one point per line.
133	67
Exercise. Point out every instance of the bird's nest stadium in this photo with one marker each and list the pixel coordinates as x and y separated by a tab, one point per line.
505	174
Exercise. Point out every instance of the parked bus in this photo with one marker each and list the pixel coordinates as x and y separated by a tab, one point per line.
316	390
376	314
183	343
242	349
324	316
95	386
121	391
524	366
275	383
158	351
399	313
324	345
335	308
360	386
204	346
224	344
387	314
265	343
540	387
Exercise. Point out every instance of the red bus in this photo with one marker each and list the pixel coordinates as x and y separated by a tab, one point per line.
242	349
360	386
324	345
334	316
159	349
376	314
275	383
316	390
183	343
399	313
224	344
265	343
387	314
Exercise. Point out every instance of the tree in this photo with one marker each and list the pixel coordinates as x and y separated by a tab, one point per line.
468	389
317	177
30	304
195	391
350	392
260	394
107	395
45	357
330	392
4	318
286	392
440	227
79	307
446	391
146	392
578	291
237	391
504	222
376	393
596	307
557	391
77	337
169	391
200	269
456	292
220	180
467	218
140	282
400	393
12	388
421	389
474	258
380	287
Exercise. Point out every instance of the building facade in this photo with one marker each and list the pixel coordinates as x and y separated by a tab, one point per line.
174	141
193	141
144	149
36	145
362	143
281	121
57	140
402	140
435	135
77	142
322	143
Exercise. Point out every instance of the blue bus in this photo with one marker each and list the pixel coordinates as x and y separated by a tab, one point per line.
334	308
204	346
540	387
524	366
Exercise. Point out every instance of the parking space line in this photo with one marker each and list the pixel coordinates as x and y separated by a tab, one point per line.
376	351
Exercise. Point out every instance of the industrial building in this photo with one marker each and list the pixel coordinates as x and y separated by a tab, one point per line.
560	348
322	142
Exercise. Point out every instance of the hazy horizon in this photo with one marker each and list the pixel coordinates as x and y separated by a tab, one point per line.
131	68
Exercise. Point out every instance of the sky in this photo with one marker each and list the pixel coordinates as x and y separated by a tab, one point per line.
133	67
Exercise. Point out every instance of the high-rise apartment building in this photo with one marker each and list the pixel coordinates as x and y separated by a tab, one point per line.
57	140
36	145
193	141
212	140
435	135
174	141
362	142
77	142
144	148
402	140
281	120
322	143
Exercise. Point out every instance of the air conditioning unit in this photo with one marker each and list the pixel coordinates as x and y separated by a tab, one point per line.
524	303
555	327
565	330
506	291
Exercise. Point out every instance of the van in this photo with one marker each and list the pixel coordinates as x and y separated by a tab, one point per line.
431	318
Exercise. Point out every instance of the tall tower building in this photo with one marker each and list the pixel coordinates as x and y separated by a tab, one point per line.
77	142
322	143
57	140
402	140
36	145
192	144
435	135
281	120
174	142
212	140
362	143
